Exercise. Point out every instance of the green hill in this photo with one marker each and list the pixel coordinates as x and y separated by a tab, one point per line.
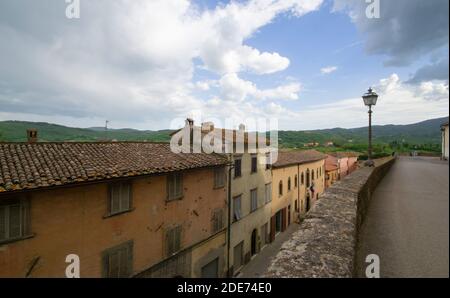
15	131
423	135
426	132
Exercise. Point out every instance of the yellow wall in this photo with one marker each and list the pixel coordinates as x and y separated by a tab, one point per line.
242	229
333	177
288	198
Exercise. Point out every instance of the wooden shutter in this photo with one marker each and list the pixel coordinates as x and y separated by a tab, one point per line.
284	220
15	225
114	263
124	196
114	198
272	228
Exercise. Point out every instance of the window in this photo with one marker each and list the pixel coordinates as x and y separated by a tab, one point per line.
237	168
14	219
317	173
237	201
211	270
308	180
280	188
268	161
118	261
268	193
119	197
238	256
174	186
253	200
302	178
254	164
289	184
296	181
219	177
312	175
217	220
173	240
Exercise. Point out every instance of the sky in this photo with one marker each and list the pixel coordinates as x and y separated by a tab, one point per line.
151	64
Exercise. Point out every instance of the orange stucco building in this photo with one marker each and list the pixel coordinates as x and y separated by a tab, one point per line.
125	209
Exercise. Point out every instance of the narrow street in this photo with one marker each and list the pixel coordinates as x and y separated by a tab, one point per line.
258	264
407	222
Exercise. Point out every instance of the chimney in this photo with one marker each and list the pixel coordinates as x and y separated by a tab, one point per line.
241	127
190	122
207	127
32	135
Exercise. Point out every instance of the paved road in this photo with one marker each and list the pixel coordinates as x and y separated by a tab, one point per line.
407	222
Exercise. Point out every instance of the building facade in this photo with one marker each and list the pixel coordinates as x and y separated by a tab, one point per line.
251	190
331	170
444	137
298	179
125	209
347	162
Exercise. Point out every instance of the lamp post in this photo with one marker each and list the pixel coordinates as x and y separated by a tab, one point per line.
370	99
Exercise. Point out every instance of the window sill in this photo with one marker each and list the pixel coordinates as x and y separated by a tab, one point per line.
9	241
219	187
174	199
118	213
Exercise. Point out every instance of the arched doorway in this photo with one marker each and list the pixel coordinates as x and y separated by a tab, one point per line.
253	242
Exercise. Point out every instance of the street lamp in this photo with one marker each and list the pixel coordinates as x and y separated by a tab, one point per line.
370	99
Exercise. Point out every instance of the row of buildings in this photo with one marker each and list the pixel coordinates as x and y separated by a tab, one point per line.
129	209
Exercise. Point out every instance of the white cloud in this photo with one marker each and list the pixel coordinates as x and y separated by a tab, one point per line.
130	61
328	69
398	103
236	89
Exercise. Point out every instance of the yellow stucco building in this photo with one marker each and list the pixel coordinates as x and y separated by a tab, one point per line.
298	179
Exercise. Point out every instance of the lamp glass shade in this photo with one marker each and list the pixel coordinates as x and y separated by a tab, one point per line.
370	98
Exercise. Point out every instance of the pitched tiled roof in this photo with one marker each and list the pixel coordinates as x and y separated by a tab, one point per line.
330	167
345	154
287	158
38	165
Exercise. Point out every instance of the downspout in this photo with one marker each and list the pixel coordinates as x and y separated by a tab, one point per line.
229	221
298	189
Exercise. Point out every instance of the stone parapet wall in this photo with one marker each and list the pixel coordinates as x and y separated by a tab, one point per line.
324	245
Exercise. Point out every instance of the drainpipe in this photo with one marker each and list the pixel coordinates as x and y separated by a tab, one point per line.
229	220
298	190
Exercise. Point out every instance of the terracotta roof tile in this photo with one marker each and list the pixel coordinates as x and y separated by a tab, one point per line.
340	154
287	158
38	165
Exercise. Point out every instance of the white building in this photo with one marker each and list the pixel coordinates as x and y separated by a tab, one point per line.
444	130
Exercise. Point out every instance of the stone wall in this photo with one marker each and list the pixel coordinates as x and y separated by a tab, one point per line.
324	245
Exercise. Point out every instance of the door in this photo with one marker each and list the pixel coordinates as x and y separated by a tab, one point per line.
278	222
289	215
211	270
264	238
308	203
273	225
238	256
284	220
253	242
